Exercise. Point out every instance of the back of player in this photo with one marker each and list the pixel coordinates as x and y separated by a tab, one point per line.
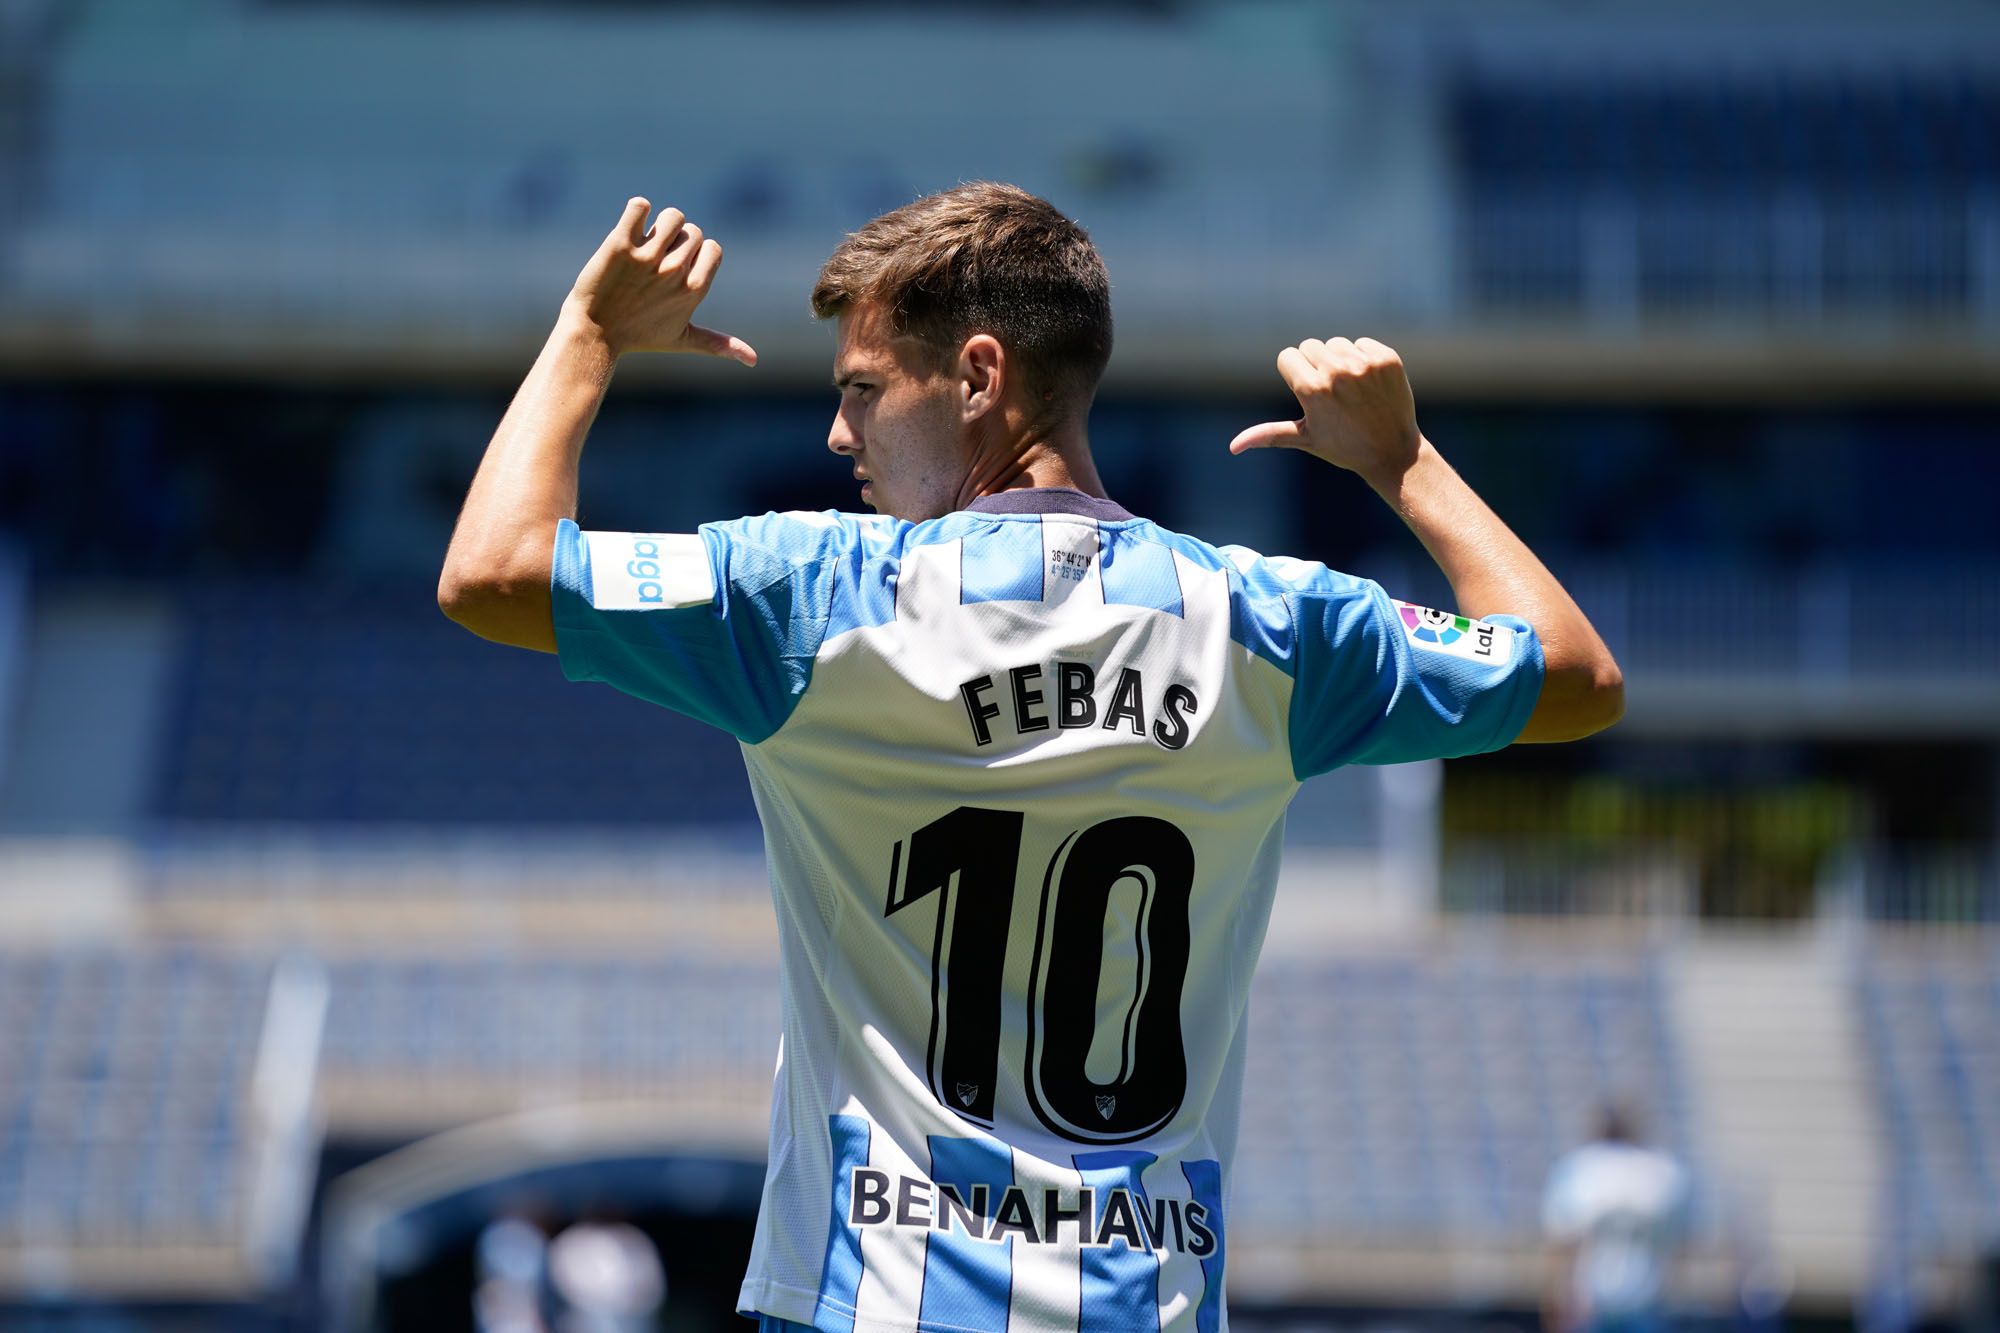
1022	758
1022	771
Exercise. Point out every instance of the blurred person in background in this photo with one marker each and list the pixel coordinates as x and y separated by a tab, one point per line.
512	1262
1616	1216
1022	757
606	1277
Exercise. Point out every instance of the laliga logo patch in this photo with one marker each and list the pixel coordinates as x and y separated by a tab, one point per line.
1428	626
1458	636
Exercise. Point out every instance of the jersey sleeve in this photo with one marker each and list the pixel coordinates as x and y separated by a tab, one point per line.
1562	1207
1382	682
721	624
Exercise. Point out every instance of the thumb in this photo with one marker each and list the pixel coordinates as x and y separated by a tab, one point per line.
710	342
1270	435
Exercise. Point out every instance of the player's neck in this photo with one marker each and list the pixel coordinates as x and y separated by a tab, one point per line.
1059	458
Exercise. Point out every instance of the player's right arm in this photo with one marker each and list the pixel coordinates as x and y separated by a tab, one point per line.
636	294
1359	415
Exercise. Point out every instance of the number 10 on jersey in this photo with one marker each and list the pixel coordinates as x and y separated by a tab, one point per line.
970	861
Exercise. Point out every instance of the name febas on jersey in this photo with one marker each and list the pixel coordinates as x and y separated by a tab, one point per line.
1022	777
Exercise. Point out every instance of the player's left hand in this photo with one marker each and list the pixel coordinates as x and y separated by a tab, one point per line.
1359	412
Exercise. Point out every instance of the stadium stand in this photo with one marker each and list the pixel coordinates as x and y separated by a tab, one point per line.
1412	1096
1406	1099
298	702
1704	302
1603	192
155	1108
1755	190
416	1044
1931	1011
1418	1095
1759	130
371	707
1937	883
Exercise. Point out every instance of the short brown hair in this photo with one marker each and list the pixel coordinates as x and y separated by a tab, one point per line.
984	258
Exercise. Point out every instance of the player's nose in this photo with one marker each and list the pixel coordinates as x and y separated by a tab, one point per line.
841	437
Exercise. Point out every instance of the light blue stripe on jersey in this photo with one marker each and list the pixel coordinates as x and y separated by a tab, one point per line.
1363	690
1205	1183
740	661
1260	617
865	594
1138	572
1121	1284
1002	562
968	1282
1362	693
840	1274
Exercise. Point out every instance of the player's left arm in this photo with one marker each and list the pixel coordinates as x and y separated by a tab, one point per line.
1558	1280
1359	414
637	293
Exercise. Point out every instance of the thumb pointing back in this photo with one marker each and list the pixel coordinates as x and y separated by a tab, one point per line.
715	343
1270	435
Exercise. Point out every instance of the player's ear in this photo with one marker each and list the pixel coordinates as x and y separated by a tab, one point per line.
982	374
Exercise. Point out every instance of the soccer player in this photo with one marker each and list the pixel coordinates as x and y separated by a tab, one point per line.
1022	757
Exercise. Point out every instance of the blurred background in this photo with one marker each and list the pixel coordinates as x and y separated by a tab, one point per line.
345	959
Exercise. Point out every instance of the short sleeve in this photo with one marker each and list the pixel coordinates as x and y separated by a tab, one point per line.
722	624
1382	682
1563	1214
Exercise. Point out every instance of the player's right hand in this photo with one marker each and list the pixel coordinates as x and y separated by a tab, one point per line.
1359	413
641	287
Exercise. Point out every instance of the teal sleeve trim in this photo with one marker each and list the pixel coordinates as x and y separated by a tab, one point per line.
742	660
1364	693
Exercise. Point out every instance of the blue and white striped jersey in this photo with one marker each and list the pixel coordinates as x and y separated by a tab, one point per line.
1023	779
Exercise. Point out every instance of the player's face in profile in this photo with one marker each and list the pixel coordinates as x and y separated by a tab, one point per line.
897	422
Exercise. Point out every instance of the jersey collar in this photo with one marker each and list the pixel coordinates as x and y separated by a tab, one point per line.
1050	500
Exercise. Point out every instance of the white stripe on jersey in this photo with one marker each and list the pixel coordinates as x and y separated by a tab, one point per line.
1045	761
892	1258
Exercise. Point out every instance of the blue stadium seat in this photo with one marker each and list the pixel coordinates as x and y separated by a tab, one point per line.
369	706
122	1113
1423	1096
1880	166
1932	1020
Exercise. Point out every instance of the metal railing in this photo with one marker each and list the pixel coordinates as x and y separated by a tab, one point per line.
1618	258
1928	621
1649	880
1946	885
1927	883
